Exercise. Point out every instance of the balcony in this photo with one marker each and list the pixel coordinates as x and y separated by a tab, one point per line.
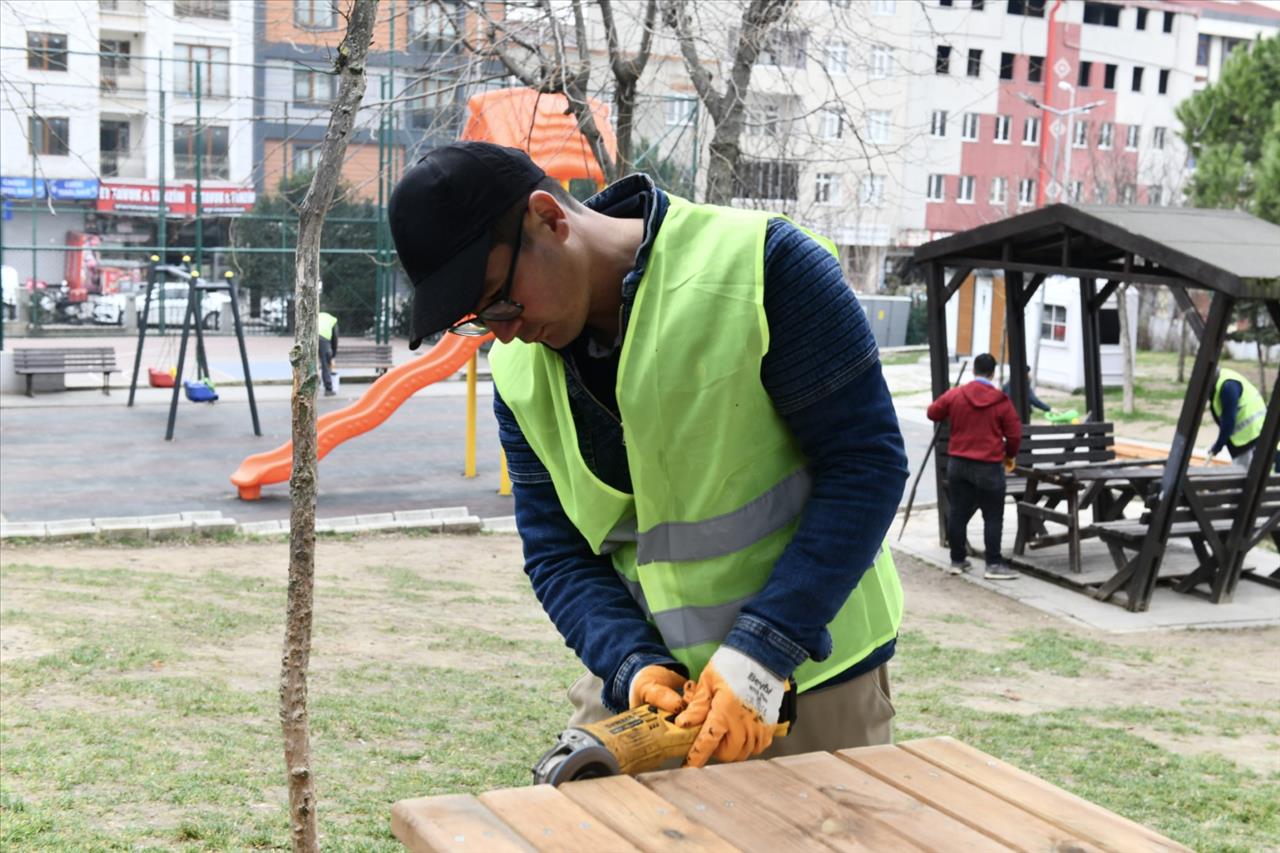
133	84
121	164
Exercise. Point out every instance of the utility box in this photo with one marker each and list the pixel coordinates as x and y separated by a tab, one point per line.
888	316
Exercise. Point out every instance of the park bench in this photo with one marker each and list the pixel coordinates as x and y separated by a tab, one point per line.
376	357
1204	514
31	362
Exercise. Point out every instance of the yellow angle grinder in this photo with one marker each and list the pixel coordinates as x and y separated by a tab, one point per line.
634	741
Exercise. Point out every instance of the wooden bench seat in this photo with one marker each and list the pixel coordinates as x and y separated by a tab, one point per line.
377	357
32	362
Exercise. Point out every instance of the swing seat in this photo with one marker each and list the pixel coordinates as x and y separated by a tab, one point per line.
159	378
199	392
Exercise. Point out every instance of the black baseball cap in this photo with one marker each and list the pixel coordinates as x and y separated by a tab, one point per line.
440	214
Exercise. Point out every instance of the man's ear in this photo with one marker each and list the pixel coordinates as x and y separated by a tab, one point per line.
547	212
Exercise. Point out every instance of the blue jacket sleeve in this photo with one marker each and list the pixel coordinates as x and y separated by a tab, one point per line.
1230	394
823	373
579	589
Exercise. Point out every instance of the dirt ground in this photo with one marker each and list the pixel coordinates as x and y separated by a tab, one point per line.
1165	669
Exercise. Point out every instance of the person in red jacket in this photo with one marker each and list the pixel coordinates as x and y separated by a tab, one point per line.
985	434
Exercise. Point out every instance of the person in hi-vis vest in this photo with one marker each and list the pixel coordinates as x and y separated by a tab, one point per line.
327	327
704	454
1239	410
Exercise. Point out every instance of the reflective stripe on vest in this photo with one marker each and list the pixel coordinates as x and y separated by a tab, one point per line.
719	481
1250	411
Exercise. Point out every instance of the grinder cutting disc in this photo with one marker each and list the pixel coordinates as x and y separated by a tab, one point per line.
576	755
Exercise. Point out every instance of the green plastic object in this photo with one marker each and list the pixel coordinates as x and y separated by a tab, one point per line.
1064	417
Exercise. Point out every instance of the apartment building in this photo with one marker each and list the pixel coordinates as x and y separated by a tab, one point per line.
100	110
1225	25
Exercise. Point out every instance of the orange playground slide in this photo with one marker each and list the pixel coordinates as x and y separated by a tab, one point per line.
378	403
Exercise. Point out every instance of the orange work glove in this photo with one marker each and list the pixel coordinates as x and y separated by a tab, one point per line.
1009	464
658	686
736	701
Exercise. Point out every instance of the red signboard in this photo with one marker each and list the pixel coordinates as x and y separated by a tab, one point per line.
179	199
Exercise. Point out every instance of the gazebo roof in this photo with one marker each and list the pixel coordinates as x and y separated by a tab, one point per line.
1226	250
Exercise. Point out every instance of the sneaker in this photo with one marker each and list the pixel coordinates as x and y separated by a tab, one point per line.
959	567
330	393
1000	572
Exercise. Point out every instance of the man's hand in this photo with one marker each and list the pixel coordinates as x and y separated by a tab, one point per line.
1208	456
658	686
1009	464
736	701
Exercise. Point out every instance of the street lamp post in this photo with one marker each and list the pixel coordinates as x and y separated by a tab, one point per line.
1068	113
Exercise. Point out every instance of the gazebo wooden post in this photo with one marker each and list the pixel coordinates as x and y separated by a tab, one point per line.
1223	585
1015	324
1141	584
1091	343
938	357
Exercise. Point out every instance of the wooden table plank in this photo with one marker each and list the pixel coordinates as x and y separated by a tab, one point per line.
749	807
877	800
552	822
969	804
642	817
1072	813
455	822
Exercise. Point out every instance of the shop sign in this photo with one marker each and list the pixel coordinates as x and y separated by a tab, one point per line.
62	189
179	199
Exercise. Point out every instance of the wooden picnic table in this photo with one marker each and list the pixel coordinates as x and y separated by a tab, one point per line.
930	794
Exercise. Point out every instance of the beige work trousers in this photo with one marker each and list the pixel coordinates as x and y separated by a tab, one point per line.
858	712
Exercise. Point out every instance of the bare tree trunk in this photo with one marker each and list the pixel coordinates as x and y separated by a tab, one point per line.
302	484
1126	347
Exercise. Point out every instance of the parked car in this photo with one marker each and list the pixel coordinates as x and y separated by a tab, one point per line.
174	280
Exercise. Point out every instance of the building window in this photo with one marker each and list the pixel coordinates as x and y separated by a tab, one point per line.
881	61
1163	86
113	62
1106	134
1202	50
975	62
213	70
306	158
947	4
219	9
431	98
937	188
430	25
209	151
1086	71
775	180
832	126
873	190
1006	66
964	193
969	130
938	124
878	126
1168	22
826	188
1075	192
1029	8
1157	137
883	7
1053	323
314	15
1142	18
1100	194
1035	69
838	57
1027	191
1080	134
764	120
942	62
313	88
1031	131
678	111
1136	85
1102	14
977	5
1155	195
1131	137
48	136
1128	194
47	51
784	48
999	190
113	146
1001	130
1109	76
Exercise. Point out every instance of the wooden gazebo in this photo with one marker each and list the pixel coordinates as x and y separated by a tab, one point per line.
1233	255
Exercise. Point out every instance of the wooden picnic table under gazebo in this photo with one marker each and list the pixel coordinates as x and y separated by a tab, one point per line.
1232	255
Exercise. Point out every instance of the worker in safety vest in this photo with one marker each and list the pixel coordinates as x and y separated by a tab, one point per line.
1238	410
327	327
704	453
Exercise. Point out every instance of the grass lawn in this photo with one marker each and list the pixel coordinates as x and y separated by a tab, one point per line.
140	703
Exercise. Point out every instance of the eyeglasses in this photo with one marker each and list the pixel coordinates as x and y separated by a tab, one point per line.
500	309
